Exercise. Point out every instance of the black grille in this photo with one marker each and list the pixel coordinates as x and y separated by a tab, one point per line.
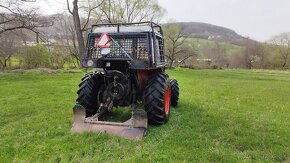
136	46
161	49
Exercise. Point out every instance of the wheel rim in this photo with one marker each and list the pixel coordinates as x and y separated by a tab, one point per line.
167	100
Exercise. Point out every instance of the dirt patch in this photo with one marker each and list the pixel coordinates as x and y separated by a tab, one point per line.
42	70
39	70
70	71
17	71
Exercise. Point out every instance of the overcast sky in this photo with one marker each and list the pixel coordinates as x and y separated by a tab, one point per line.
258	19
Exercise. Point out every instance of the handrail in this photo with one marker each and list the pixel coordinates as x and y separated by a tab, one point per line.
151	24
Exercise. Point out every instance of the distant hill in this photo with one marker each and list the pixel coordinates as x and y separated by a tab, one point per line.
212	32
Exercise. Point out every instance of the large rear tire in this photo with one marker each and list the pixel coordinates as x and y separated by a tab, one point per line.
174	92
88	91
157	99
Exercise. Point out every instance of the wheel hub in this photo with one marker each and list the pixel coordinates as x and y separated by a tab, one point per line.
167	100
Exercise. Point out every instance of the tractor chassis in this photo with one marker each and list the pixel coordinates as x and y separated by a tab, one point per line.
133	58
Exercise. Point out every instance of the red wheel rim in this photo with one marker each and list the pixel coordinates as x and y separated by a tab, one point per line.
167	100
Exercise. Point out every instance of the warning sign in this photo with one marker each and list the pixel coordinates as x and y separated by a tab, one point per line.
104	41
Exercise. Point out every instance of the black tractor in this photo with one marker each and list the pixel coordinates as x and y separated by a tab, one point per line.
133	62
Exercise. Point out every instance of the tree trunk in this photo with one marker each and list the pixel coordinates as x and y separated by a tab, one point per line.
284	65
78	29
170	64
3	63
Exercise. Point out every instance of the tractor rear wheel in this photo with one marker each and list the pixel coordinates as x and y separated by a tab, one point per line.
157	99
174	92
88	91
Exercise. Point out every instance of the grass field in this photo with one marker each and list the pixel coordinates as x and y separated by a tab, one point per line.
230	49
223	116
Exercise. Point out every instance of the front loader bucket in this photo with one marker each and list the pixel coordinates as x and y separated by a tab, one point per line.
134	128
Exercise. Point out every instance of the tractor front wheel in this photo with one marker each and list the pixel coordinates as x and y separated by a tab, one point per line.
157	98
174	92
88	91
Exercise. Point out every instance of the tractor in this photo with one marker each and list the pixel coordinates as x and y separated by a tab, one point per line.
132	63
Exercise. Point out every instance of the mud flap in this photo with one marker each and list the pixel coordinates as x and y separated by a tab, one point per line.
135	128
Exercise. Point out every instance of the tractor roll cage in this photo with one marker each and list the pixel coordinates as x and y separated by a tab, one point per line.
154	27
142	41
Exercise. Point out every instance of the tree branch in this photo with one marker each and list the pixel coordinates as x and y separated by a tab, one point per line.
68	7
89	15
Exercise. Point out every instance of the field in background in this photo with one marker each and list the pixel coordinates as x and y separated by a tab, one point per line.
223	116
16	63
200	44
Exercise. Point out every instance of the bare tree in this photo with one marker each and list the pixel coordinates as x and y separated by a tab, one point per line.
176	49
282	43
7	48
216	54
17	19
78	27
189	54
249	56
14	16
253	55
128	11
69	36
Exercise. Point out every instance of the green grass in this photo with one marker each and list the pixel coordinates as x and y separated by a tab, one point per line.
223	116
